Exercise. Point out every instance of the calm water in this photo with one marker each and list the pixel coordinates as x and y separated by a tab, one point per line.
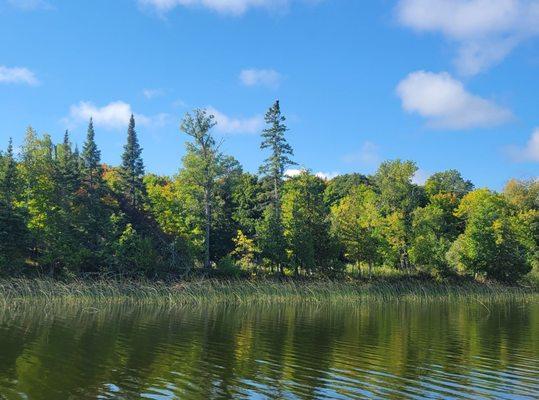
388	351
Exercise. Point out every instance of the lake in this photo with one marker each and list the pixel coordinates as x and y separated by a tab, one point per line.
393	350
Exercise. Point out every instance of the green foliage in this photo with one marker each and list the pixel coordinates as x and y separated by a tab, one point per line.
306	225
132	169
271	240
133	254
342	185
273	138
430	241
490	245
357	223
448	182
65	214
245	252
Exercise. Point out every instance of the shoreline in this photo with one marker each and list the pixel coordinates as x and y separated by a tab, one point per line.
202	291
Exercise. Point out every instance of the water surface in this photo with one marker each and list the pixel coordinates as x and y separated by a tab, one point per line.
375	350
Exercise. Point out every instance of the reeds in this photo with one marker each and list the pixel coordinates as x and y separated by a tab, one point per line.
248	292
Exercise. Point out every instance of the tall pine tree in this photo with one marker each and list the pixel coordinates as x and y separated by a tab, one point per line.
271	230
132	169
273	138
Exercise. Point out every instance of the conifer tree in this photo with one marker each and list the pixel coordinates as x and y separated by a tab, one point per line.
68	167
271	231
273	138
8	175
132	169
91	160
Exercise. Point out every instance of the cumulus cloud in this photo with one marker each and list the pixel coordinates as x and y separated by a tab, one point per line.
445	103
114	115
484	31
17	75
368	154
528	153
231	7
234	125
260	77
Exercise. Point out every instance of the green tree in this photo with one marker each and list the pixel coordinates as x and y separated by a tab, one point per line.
132	169
273	138
430	239
306	223
91	161
399	197
247	198
342	185
448	182
14	236
489	246
203	167
9	184
93	213
273	169
245	251
356	222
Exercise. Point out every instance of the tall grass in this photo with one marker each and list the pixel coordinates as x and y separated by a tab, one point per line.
247	292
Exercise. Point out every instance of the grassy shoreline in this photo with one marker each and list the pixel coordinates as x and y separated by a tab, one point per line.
201	291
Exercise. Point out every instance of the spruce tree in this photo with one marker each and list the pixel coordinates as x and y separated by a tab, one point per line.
132	169
8	175
13	230
91	160
68	167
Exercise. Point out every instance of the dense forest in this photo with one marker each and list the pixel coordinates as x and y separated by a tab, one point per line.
63	213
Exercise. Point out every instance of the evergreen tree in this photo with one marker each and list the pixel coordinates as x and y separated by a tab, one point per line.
91	160
273	138
132	169
273	168
68	168
8	175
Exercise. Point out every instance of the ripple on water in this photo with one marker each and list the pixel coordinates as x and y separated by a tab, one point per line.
385	351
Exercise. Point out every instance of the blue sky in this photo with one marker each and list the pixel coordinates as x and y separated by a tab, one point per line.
448	84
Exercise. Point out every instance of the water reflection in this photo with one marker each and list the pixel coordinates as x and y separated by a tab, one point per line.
390	351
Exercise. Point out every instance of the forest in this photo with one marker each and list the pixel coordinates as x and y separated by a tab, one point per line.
65	214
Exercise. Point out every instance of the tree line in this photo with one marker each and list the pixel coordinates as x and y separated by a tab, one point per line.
65	213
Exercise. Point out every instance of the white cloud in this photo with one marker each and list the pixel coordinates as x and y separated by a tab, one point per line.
230	7
529	153
260	77
114	115
293	172
445	103
231	125
153	93
485	31
327	175
420	177
368	154
17	75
